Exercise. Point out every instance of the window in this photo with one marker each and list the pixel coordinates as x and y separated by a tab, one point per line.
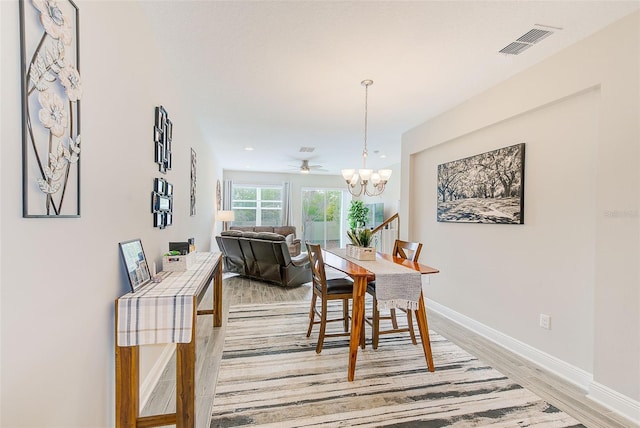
257	205
321	216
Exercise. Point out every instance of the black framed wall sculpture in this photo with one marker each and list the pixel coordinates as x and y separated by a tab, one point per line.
162	135
193	183
485	188
162	203
51	90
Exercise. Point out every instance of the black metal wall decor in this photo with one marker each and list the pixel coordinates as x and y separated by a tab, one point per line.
193	182
51	90
162	134
162	203
485	188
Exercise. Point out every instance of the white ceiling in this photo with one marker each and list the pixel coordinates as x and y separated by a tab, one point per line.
279	75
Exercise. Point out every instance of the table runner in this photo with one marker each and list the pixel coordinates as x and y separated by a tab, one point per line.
396	286
163	312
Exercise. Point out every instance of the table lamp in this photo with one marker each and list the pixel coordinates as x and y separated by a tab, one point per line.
225	217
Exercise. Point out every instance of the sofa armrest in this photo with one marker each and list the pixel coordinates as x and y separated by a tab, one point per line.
300	260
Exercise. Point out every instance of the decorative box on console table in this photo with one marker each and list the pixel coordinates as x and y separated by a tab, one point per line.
177	263
361	253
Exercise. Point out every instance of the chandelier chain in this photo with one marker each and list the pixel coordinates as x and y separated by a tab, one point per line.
365	152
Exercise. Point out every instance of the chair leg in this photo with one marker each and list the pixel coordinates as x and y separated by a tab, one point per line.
410	324
394	321
345	314
323	326
312	314
375	335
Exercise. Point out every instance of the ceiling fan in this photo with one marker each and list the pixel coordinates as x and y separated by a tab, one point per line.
305	168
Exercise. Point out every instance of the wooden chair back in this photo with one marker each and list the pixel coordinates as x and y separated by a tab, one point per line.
318	274
407	250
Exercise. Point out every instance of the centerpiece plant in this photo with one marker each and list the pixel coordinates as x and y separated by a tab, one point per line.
359	235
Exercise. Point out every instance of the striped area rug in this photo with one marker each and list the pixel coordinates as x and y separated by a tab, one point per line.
271	376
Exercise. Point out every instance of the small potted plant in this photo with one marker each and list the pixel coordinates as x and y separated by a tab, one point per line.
359	235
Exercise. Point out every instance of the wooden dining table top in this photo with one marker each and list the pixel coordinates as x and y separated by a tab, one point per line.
352	269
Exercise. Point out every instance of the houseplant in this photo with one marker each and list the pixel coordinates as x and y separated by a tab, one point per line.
357	215
359	235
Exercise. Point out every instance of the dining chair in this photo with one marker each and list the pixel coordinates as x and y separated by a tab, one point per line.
405	250
327	290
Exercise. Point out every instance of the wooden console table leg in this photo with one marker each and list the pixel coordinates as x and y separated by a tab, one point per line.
127	383
217	296
186	380
423	326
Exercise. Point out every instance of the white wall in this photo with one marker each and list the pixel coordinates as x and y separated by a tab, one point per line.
576	256
60	277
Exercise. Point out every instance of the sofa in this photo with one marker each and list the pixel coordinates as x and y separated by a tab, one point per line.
289	233
263	256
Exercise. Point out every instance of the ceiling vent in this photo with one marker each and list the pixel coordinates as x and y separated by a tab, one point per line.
307	149
525	41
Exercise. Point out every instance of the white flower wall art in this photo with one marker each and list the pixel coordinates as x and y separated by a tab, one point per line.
51	93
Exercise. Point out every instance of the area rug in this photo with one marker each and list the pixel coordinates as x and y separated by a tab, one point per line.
271	376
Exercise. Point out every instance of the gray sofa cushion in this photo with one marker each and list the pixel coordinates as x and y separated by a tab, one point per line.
231	233
270	236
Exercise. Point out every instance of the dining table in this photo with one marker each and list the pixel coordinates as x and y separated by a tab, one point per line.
361	277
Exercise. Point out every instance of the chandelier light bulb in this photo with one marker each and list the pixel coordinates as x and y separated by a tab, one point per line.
385	174
348	173
365	174
375	178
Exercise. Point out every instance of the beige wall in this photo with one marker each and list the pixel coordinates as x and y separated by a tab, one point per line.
576	256
60	277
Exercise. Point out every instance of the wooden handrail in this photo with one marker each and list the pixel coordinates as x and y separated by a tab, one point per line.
387	222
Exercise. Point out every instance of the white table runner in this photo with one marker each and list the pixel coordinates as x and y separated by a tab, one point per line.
396	286
163	312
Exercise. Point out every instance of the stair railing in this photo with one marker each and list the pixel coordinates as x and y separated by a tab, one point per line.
385	235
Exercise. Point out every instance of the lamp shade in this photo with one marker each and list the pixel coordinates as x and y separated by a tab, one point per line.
225	216
385	174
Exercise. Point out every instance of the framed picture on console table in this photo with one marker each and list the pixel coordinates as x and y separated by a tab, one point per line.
484	188
135	263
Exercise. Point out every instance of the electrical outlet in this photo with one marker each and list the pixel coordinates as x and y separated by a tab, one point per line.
545	321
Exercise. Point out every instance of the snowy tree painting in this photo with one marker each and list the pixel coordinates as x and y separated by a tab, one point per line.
485	188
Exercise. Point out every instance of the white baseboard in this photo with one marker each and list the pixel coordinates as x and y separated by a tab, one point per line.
616	402
150	382
613	400
570	373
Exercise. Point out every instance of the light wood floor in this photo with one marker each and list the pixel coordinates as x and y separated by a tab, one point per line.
237	290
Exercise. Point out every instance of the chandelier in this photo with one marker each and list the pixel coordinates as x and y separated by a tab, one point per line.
357	182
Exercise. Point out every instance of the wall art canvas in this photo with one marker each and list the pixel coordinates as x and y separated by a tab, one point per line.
162	136
485	188
51	91
193	183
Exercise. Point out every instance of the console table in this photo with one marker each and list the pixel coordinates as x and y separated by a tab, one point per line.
164	312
